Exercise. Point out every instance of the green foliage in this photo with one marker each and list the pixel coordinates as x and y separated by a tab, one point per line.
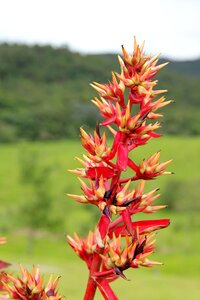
37	207
182	197
45	92
178	246
181	192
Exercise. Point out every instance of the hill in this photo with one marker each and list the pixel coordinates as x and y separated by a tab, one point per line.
45	92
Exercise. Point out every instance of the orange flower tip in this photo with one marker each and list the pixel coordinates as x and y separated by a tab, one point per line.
98	89
72	171
161	66
113	131
157	92
70	195
121	62
142	46
68	237
83	132
92	85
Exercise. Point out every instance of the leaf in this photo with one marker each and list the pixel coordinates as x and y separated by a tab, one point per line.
97	172
144	226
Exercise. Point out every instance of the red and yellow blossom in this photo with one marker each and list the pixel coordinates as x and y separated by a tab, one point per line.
150	167
113	91
85	248
31	286
132	255
96	146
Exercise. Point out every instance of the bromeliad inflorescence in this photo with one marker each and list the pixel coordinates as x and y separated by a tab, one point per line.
30	286
120	243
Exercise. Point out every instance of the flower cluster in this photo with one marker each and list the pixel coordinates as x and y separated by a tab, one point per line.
129	107
31	286
3	275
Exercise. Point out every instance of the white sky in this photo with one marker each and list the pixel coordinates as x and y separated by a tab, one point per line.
171	27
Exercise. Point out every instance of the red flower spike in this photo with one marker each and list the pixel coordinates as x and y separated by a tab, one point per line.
119	244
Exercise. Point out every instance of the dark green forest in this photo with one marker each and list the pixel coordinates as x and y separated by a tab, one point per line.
45	92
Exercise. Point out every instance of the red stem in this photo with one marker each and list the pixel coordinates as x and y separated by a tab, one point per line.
106	290
92	285
103	226
127	179
116	222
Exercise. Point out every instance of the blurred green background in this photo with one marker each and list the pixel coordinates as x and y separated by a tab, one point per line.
41	109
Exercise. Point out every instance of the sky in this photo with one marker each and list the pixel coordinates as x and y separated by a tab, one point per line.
171	27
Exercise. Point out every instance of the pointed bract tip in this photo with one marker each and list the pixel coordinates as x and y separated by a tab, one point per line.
119	272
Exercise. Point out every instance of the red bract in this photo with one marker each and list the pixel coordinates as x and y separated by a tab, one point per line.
129	106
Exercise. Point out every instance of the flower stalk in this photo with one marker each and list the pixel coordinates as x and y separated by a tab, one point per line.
129	106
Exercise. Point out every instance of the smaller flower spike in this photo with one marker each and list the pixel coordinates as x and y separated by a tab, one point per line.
31	286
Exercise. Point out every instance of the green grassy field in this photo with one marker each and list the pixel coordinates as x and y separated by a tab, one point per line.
178	246
60	154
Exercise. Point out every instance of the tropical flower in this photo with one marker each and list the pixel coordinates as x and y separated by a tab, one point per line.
132	255
31	286
129	105
150	167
